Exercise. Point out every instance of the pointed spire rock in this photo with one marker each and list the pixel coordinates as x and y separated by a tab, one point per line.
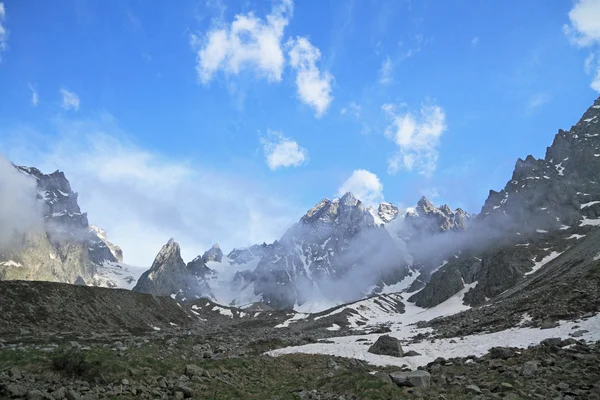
213	254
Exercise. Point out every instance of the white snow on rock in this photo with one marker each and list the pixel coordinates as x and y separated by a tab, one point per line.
476	345
11	263
541	231
117	275
588	221
294	318
334	327
544	261
591	203
576	236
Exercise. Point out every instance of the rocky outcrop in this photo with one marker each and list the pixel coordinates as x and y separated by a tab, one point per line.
66	248
99	249
546	203
387	212
170	276
213	254
387	346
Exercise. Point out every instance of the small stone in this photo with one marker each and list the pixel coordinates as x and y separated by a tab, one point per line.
179	395
417	378
529	368
357	365
72	395
15	373
187	392
192	370
207	354
504	387
551	342
35	395
383	376
579	333
502	353
549	324
16	390
411	353
125	381
59	394
172	341
472	389
24	331
332	364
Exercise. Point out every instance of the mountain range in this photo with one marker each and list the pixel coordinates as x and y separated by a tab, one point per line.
341	250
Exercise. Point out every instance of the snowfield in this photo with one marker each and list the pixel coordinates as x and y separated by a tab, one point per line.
476	345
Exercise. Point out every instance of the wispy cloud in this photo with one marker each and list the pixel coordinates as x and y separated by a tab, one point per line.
3	30
142	197
282	152
385	73
475	41
352	109
314	86
70	100
365	185
537	100
417	137
34	95
584	31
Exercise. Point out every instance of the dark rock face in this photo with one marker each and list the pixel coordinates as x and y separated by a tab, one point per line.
419	378
387	346
170	276
533	217
213	254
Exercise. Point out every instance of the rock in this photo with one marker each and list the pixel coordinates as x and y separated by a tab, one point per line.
411	353
207	354
418	378
332	364
193	370
15	373
503	387
59	394
16	390
579	333
35	395
388	346
549	325
472	389
501	353
383	376
172	341
24	332
551	342
187	392
529	368
72	395
125	381
357	365
179	395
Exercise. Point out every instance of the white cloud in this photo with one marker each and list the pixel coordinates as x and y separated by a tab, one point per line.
70	100
34	95
352	109
365	185
142	198
248	42
417	138
475	41
281	151
584	31
385	73
3	31
314	86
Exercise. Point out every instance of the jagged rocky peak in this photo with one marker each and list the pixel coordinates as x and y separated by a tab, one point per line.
213	254
170	276
245	255
114	249
429	219
387	212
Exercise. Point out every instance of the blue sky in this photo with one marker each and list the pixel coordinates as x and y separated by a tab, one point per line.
225	121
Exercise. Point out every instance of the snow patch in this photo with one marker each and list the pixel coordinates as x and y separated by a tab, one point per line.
544	261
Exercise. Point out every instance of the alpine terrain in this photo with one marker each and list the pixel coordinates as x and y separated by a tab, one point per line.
351	302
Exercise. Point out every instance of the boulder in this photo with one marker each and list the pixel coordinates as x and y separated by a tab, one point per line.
388	346
421	379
